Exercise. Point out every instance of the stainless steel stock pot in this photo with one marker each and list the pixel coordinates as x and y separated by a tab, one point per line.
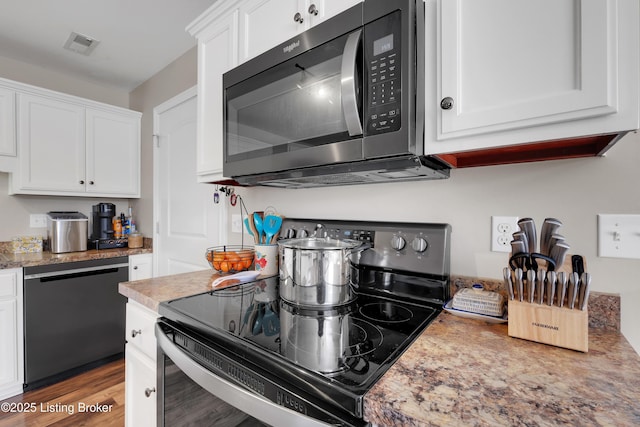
316	272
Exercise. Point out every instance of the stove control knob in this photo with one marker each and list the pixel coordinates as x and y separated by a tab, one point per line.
302	233
398	242
419	244
290	233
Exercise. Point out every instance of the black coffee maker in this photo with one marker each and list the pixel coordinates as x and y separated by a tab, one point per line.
102	236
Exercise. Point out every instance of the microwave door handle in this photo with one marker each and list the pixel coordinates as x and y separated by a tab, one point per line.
349	88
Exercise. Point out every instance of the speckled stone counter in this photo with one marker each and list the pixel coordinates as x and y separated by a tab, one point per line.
8	260
11	260
466	372
151	292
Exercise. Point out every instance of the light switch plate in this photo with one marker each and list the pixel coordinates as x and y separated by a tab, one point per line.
38	220
236	223
619	236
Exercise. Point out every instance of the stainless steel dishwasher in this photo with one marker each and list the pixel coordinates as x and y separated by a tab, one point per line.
74	318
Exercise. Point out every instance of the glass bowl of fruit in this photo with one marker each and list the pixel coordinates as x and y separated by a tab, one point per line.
230	258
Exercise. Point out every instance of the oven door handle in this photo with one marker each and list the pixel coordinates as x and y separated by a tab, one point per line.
244	400
349	84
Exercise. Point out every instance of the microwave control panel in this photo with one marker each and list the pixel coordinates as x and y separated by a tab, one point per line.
382	60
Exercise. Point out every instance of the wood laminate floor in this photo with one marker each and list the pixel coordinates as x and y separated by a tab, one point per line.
93	398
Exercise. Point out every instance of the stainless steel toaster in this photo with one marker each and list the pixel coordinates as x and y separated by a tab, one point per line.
67	231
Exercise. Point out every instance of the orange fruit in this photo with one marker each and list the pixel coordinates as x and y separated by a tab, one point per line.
225	266
216	265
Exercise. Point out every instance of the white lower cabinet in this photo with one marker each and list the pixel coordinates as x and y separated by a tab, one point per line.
140	267
11	349
140	389
140	367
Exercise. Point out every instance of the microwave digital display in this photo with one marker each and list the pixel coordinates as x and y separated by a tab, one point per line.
383	45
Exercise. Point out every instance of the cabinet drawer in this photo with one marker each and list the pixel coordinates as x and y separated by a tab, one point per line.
8	283
140	328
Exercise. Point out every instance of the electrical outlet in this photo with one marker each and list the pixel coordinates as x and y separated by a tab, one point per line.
236	223
619	236
502	229
38	220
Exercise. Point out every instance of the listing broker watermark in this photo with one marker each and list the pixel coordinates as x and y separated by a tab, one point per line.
55	407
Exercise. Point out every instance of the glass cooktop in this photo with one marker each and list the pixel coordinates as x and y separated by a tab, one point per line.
350	345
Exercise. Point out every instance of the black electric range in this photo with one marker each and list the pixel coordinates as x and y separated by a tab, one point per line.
321	361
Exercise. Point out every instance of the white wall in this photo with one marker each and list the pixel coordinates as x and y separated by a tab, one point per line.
44	77
574	191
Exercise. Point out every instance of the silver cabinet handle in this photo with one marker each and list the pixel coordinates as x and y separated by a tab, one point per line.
298	18
135	332
446	103
350	85
313	10
148	391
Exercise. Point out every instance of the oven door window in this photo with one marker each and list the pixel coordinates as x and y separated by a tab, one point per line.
294	105
186	403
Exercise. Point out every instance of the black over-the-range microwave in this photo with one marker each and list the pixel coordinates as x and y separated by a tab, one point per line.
338	104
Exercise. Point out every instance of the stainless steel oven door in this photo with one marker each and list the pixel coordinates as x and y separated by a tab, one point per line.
191	394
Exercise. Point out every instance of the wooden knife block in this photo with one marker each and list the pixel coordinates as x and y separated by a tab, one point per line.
561	327
552	325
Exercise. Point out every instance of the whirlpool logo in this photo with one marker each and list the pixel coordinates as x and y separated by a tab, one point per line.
291	46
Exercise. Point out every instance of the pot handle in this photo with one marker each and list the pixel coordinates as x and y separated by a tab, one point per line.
357	252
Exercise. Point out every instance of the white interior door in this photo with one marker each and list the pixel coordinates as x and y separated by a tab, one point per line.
186	217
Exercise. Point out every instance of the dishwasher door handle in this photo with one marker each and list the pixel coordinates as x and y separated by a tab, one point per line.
87	271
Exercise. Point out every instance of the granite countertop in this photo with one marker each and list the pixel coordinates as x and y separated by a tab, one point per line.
151	292
466	372
11	260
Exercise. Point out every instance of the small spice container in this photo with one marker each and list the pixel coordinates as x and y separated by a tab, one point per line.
135	240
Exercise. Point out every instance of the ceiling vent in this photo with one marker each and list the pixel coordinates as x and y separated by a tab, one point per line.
81	44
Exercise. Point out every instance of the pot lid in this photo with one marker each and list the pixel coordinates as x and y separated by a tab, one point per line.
321	243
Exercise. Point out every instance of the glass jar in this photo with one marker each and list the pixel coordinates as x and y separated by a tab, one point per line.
135	240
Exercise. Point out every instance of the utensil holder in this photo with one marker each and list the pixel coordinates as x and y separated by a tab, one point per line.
557	326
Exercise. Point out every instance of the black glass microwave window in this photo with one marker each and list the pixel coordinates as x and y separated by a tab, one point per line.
294	105
384	84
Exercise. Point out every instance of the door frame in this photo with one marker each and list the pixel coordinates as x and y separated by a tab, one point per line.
157	111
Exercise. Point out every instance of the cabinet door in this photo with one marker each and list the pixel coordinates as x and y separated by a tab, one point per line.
11	349
51	144
113	154
266	23
217	53
9	340
7	123
321	10
140	267
140	389
511	64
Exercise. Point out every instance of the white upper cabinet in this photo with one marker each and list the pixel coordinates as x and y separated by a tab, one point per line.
217	34
113	153
266	23
7	122
68	146
52	145
508	72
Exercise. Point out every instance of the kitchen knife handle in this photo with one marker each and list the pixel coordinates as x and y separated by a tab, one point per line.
577	264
